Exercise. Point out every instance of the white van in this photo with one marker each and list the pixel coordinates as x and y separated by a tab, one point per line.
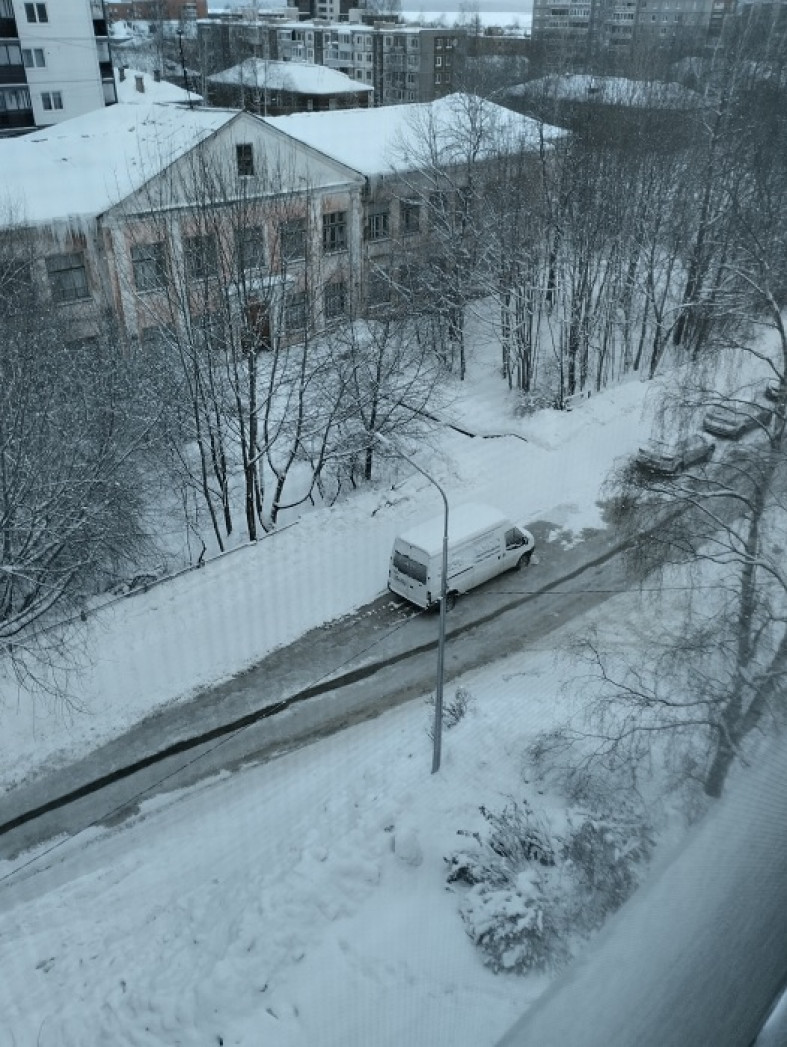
482	543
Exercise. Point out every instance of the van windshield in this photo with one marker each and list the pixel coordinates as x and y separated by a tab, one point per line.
407	565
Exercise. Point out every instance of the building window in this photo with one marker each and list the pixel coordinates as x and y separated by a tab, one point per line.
251	249
437	78
16	98
292	239
200	256
33	57
11	55
150	267
377	225
67	277
438	61
335	300
438	43
378	288
51	100
334	231
295	311
244	155
256	333
36	13
411	217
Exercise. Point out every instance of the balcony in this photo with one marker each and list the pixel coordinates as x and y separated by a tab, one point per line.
16	120
12	74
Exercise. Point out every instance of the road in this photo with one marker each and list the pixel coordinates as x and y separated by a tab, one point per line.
344	672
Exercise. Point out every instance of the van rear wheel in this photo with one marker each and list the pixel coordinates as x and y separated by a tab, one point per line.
450	602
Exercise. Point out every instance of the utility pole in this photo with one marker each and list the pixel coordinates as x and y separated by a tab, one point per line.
437	734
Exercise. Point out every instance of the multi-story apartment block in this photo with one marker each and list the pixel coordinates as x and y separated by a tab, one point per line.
402	63
152	10
55	62
581	31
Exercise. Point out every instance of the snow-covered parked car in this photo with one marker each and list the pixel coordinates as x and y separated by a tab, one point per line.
773	390
733	422
672	456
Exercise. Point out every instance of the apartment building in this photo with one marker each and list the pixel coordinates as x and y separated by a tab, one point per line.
582	31
55	62
402	63
152	10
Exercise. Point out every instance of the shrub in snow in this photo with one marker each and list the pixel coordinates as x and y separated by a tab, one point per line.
514	909
454	709
515	840
530	893
517	928
606	858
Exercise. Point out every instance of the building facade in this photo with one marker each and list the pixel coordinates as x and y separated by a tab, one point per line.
578	33
402	63
55	62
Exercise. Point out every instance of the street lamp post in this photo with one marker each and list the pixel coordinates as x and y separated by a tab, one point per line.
437	734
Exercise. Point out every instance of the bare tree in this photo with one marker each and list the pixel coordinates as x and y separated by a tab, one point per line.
77	436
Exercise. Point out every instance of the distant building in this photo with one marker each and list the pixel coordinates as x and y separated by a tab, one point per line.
153	10
402	63
579	32
55	62
139	88
274	88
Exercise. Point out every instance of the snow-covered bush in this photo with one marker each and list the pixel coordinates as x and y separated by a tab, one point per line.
514	909
518	928
606	858
531	893
454	709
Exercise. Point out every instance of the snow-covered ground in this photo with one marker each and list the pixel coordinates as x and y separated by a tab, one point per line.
302	902
157	647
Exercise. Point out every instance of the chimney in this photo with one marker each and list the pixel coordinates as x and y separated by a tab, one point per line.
157	76
140	83
121	73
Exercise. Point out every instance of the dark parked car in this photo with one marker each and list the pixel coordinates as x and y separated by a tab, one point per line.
733	422
665	456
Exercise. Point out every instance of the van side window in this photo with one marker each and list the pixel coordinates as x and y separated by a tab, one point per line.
514	538
406	565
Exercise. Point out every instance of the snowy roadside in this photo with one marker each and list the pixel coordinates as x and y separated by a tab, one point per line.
297	903
205	626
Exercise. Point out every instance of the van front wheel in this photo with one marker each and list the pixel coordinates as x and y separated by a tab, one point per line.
524	560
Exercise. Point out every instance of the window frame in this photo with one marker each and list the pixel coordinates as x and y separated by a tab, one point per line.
295	302
33	53
334	232
36	13
378	225
200	263
250	249
149	268
64	284
407	210
244	159
335	300
293	231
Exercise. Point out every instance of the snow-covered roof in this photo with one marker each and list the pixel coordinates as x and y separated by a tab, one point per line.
299	77
153	90
608	90
80	168
380	141
464	522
